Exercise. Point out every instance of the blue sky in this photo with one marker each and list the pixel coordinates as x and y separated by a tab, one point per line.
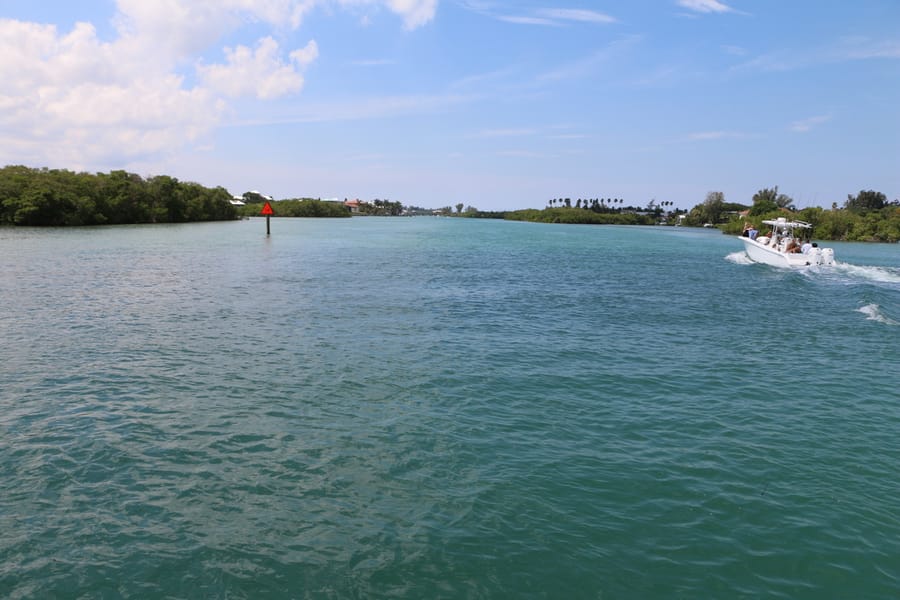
494	104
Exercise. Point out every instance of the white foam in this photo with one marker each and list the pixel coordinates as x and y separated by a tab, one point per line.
877	274
739	258
873	313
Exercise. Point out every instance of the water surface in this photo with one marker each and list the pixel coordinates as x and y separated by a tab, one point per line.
443	408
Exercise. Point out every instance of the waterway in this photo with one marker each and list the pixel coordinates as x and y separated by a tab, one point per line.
443	408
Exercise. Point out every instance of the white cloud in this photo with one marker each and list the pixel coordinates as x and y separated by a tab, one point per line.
414	12
705	6
573	14
172	29
805	125
521	20
708	135
260	72
192	25
861	48
557	17
72	99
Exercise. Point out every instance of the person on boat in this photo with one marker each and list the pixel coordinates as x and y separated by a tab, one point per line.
793	247
747	228
806	247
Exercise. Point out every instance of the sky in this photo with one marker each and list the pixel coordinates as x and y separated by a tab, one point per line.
495	104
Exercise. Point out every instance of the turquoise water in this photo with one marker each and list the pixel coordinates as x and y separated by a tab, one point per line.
443	408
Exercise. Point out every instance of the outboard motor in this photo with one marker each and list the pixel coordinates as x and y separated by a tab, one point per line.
814	256
820	256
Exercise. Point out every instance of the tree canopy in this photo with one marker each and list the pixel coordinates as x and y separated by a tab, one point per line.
866	200
866	217
55	197
768	200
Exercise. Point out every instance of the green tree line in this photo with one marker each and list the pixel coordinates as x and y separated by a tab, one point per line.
383	208
297	207
579	216
58	197
863	217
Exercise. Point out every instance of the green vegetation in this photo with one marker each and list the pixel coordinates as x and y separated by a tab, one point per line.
865	217
381	208
314	207
43	197
580	216
597	211
302	207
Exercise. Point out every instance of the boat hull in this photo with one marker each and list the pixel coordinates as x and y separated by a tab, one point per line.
773	256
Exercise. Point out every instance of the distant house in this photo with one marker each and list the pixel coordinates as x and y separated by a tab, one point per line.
237	201
260	194
353	205
255	196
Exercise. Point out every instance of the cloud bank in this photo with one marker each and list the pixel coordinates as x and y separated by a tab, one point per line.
73	99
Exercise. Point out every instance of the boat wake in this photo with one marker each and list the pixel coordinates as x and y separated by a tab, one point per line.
876	282
739	258
870	274
873	313
844	272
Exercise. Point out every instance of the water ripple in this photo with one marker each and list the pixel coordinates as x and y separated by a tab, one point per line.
441	408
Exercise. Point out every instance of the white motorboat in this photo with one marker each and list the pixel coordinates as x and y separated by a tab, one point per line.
786	245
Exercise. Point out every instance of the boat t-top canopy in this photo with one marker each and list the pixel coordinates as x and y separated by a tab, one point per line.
781	222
